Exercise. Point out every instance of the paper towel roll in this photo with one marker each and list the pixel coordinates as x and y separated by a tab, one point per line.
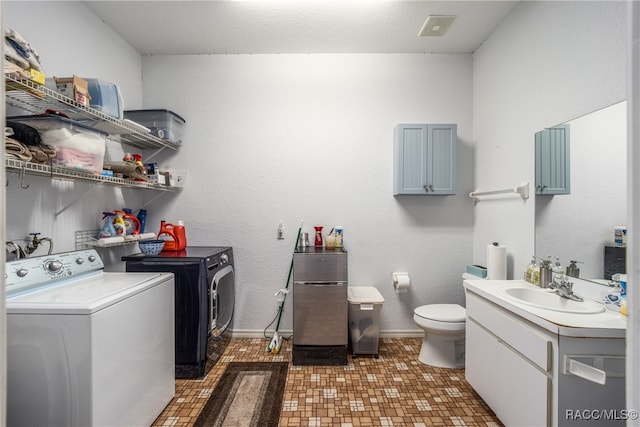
146	236
106	241
401	282
496	262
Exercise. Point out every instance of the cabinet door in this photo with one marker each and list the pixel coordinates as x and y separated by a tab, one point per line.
481	370
441	155
524	391
425	159
410	156
516	390
552	161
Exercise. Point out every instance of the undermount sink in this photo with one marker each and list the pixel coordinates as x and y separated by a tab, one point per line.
549	300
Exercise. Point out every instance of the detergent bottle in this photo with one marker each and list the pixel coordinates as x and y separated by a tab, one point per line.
142	217
131	223
181	235
107	229
119	225
167	233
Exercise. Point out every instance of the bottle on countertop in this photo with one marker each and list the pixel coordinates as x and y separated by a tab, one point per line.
623	294
532	274
167	234
557	271
181	235
572	269
545	272
174	236
339	236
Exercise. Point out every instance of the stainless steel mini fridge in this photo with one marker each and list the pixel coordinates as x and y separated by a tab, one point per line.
320	308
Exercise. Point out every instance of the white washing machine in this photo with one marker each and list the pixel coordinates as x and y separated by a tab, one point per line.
86	347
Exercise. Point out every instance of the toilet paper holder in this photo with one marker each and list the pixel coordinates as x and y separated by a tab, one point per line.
401	282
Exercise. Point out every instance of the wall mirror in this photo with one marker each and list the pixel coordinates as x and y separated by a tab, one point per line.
580	225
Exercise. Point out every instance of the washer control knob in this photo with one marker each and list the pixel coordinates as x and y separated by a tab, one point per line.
53	266
22	272
92	258
224	258
79	261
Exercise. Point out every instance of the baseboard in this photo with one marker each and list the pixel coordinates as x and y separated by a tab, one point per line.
389	333
402	333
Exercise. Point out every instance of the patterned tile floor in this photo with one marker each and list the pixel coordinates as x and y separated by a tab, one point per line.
393	390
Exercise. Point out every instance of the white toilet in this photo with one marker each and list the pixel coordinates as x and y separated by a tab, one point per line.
444	327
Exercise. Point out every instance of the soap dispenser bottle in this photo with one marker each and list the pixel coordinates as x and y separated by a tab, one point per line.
572	269
557	271
531	275
545	272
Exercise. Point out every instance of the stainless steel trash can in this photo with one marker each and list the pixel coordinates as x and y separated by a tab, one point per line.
365	303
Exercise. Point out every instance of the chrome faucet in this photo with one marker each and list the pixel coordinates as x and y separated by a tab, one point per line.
564	288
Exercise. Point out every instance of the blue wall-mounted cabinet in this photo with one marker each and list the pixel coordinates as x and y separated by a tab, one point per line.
425	159
552	161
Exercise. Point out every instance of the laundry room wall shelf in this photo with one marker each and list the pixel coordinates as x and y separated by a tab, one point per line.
29	168
85	239
36	99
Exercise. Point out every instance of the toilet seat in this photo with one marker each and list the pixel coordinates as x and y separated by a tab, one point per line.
445	313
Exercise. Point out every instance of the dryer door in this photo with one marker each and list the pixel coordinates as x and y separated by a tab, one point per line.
222	300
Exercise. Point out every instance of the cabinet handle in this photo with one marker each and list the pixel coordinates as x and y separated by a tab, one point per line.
428	187
589	372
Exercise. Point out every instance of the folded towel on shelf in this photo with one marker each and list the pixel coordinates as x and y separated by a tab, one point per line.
12	68
22	48
16	150
42	153
12	55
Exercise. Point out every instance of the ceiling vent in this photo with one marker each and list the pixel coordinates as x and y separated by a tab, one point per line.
436	25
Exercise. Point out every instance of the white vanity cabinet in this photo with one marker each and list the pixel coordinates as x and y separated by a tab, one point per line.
534	370
424	159
508	363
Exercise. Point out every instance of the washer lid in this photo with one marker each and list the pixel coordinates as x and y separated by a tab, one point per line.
85	295
442	312
364	295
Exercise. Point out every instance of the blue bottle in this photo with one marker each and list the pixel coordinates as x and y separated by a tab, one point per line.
142	217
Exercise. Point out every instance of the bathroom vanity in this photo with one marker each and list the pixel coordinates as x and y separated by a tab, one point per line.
540	361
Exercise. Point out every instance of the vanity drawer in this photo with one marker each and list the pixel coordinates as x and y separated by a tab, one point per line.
532	343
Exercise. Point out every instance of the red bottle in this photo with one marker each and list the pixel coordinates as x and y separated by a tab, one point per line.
174	236
318	240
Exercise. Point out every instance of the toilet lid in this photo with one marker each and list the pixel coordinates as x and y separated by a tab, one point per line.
442	312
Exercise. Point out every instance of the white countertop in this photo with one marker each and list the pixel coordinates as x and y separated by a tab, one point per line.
608	324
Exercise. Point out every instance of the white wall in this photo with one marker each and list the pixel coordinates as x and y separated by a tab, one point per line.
289	137
273	138
70	39
549	62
